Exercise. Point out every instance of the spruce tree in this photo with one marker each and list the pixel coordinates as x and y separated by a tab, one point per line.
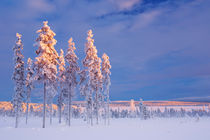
46	63
29	85
106	82
93	64
62	80
18	77
72	70
141	109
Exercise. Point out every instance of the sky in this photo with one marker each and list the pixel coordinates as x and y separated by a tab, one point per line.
158	49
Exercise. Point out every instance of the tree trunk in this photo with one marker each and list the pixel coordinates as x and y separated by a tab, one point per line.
108	107
91	111
16	116
59	109
91	114
51	113
96	106
88	115
87	110
105	113
69	108
27	106
44	106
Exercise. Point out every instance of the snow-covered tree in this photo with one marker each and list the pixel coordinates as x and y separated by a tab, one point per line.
72	70
106	82
29	85
93	64
62	80
46	63
85	76
97	86
143	110
18	77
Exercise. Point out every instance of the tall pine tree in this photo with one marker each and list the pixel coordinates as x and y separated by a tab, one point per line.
72	70
46	63
93	64
18	77
62	83
29	85
106	82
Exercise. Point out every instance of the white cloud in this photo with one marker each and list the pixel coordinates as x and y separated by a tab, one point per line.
30	9
145	19
40	5
124	4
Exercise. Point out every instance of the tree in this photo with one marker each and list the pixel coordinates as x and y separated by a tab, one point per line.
106	82
18	77
62	79
93	64
71	75
141	109
144	114
96	84
46	63
29	85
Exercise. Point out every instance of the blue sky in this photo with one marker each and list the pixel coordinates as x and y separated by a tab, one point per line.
159	49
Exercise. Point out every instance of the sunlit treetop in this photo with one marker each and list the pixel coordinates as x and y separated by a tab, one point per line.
62	66
18	35
46	61
106	64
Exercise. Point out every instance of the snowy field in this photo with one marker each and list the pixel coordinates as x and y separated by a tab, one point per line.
120	129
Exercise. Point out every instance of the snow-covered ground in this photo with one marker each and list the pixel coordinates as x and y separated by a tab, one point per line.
120	129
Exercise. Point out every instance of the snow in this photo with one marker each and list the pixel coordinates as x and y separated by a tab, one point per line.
120	129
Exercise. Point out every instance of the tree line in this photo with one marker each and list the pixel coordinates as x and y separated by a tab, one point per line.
58	74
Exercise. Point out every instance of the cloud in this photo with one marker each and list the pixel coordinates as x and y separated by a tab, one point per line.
145	19
124	4
40	5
